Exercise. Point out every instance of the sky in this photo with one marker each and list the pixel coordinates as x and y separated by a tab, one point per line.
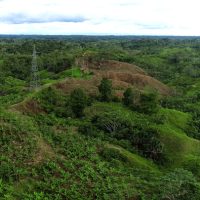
100	17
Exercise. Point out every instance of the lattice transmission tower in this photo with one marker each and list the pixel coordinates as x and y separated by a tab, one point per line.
35	80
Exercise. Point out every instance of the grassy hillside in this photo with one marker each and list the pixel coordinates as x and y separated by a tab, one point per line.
98	127
59	162
63	149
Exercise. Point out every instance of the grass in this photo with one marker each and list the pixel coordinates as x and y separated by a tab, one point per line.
178	146
117	108
176	118
74	72
134	160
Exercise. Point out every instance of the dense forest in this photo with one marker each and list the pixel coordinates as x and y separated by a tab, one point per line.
112	117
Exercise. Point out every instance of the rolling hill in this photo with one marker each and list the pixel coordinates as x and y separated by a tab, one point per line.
45	156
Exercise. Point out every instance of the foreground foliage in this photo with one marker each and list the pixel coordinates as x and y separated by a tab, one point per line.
56	145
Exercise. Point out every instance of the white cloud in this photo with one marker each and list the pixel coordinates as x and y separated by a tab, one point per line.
155	17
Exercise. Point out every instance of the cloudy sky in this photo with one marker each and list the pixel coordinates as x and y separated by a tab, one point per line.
118	17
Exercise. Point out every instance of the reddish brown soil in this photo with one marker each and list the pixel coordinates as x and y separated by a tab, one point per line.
112	65
123	75
30	106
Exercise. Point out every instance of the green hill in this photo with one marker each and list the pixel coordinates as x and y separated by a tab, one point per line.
51	153
98	127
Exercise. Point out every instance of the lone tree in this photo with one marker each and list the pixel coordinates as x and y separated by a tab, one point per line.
105	88
78	100
128	97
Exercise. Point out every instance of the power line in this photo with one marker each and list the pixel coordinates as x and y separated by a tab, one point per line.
35	81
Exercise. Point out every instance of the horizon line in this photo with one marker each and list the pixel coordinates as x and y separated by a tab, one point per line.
116	35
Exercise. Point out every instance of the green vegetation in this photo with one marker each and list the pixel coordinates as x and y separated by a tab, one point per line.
87	133
128	97
78	101
179	184
105	89
148	103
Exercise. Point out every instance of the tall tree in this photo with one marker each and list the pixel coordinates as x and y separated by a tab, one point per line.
128	97
148	103
78	101
105	89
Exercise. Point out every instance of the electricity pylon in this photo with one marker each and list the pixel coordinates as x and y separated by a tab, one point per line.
35	81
